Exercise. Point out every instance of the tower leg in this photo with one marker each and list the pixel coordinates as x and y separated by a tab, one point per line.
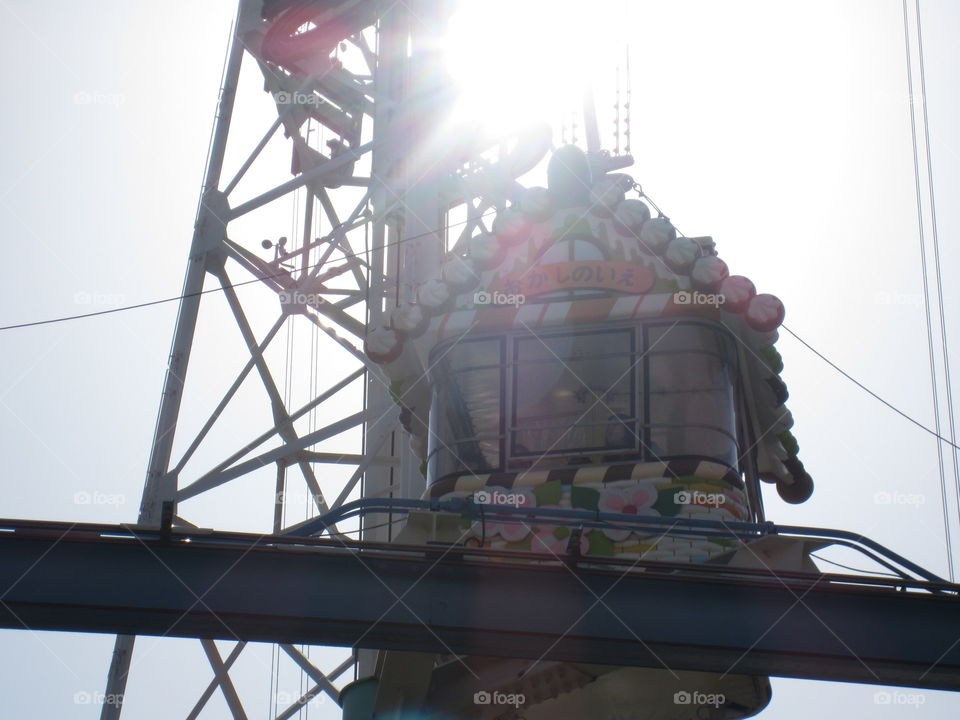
160	485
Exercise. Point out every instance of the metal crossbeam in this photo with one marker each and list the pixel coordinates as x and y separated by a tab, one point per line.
63	577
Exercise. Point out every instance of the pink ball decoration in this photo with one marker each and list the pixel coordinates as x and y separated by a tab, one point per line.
737	293
708	272
765	313
383	346
536	203
511	227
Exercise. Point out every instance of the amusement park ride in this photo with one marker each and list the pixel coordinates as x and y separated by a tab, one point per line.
568	412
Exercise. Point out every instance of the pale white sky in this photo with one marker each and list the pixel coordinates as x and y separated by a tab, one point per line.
781	129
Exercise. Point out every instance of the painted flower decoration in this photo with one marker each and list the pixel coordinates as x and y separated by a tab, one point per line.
554	540
633	500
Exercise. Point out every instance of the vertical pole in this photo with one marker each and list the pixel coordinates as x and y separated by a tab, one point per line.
408	242
590	119
207	236
161	487
424	216
389	77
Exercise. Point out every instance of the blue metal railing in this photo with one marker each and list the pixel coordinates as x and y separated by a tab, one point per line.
667	526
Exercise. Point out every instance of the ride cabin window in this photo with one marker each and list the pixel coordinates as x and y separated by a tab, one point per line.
554	398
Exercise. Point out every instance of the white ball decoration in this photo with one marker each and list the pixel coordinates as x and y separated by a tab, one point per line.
383	345
432	295
409	320
459	273
630	216
681	253
484	249
536	204
605	195
656	235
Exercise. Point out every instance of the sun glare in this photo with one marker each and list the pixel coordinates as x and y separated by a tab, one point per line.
521	62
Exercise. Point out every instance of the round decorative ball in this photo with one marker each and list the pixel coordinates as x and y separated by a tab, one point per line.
605	195
536	204
656	235
798	491
511	227
383	345
764	313
709	272
432	295
485	250
681	253
459	273
409	321
737	292
630	216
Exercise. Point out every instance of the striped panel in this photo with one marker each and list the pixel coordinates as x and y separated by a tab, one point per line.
595	475
586	311
653	305
556	313
613	473
528	314
565	476
624	306
530	479
466	483
589	474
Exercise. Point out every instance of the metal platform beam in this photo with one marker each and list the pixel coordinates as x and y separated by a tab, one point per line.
108	579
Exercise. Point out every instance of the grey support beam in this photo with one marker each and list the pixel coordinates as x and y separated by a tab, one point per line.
277	589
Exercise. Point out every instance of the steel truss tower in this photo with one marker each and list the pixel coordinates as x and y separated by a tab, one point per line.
377	170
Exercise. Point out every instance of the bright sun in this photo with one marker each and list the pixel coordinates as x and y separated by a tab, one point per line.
520	61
